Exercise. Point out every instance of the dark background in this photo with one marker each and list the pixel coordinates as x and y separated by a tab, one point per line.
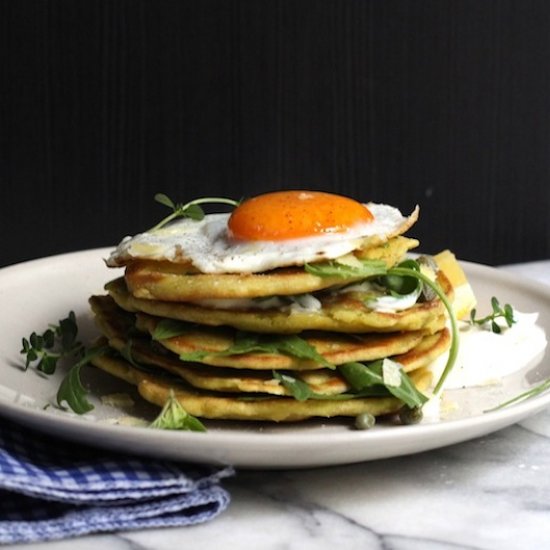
441	103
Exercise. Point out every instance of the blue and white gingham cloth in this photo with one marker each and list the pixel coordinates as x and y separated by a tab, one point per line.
51	489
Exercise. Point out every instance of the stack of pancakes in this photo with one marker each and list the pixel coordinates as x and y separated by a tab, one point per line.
224	343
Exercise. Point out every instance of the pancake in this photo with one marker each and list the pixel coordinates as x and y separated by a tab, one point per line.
343	312
181	282
115	326
215	405
336	348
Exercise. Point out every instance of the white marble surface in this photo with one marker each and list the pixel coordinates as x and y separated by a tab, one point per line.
489	493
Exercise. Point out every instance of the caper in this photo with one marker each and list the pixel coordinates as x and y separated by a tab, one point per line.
364	421
410	415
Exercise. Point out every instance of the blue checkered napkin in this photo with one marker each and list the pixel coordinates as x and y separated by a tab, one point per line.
51	489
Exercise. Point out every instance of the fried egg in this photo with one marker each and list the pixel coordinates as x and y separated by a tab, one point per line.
273	230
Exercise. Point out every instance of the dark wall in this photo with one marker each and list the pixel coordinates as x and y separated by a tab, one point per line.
441	103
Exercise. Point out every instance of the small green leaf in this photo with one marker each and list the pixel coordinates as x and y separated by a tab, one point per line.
36	341
369	268
169	328
248	342
295	346
297	388
174	417
47	364
68	330
73	392
402	285
165	200
509	315
194	356
49	339
127	352
362	377
194	211
25	346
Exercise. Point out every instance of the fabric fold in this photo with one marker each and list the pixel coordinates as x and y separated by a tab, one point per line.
50	490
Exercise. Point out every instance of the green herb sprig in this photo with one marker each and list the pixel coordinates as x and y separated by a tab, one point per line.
499	312
532	392
58	341
189	209
332	268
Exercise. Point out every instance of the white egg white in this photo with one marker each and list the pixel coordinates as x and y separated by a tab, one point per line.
208	247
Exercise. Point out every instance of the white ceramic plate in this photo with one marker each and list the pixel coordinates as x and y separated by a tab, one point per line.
35	294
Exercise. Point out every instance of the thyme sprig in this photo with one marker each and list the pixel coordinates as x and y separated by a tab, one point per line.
58	341
499	312
189	209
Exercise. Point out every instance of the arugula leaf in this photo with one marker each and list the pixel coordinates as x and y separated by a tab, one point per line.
401	285
297	388
127	353
71	389
301	391
368	268
195	356
361	377
169	328
73	392
247	342
297	347
174	417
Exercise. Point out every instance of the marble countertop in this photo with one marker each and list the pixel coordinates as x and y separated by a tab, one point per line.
488	493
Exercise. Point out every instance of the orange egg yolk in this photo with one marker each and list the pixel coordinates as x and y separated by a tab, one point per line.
295	214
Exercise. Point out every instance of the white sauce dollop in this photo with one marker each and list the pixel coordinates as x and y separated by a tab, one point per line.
485	357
